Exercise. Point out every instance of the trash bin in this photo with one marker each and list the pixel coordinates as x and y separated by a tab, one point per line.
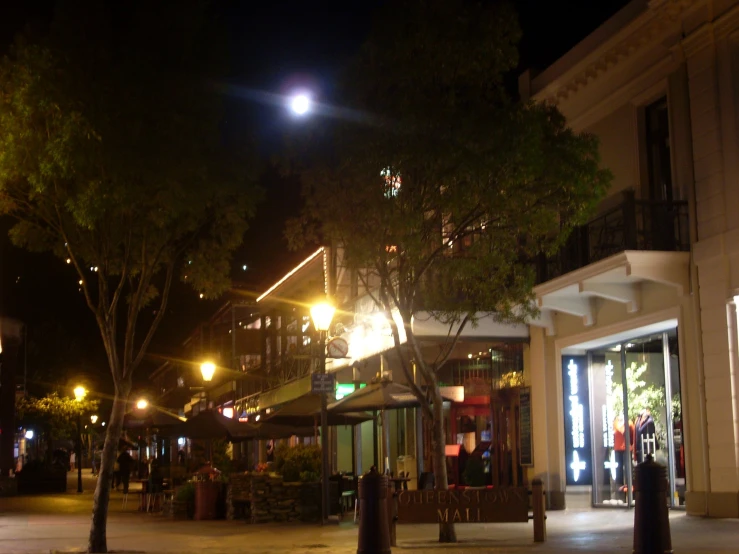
207	491
206	499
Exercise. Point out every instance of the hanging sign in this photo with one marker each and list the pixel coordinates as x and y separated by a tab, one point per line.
526	448
578	453
322	382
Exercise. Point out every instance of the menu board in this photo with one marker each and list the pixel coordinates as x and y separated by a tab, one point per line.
526	448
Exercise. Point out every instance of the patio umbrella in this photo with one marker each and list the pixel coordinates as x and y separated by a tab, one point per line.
151	418
383	395
305	411
212	425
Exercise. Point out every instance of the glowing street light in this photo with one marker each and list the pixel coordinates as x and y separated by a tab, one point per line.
79	392
142	404
207	369
94	419
300	104
322	314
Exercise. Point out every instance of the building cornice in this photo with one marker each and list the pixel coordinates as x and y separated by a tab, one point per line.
646	29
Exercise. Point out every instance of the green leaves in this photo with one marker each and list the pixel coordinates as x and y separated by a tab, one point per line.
56	414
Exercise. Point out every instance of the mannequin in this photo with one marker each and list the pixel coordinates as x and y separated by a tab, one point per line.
646	436
619	446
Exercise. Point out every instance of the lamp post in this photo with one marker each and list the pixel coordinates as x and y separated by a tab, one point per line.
91	442
79	395
322	314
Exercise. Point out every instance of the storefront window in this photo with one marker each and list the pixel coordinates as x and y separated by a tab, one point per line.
631	410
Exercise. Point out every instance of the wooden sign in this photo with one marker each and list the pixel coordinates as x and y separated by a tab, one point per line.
497	505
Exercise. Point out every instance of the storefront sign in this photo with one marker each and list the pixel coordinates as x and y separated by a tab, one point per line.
322	382
455	394
578	454
526	448
607	408
505	504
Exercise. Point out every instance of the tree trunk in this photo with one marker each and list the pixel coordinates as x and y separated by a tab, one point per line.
446	530
98	541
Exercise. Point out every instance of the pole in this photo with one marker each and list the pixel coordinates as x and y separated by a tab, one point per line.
78	455
324	436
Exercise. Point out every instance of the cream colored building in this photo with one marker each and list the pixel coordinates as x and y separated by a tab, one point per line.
647	291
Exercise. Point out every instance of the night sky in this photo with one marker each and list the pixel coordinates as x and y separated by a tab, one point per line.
273	45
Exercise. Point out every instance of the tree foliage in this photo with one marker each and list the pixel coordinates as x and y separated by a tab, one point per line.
445	189
54	414
111	158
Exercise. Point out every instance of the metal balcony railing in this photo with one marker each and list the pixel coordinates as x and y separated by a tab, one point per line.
632	225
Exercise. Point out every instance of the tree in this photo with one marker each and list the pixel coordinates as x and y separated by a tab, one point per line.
53	416
444	189
111	158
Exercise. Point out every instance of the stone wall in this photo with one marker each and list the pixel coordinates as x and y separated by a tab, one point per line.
274	500
264	498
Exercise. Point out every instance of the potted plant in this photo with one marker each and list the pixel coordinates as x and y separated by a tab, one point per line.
183	504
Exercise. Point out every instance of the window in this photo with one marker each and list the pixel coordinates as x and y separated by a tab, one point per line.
657	123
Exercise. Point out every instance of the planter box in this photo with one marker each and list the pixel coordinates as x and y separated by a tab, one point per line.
41	482
183	510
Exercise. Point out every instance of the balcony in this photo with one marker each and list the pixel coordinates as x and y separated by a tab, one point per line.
632	225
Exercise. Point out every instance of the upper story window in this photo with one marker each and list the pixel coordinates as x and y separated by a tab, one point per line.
392	182
659	163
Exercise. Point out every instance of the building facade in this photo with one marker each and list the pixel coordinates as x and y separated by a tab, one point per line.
635	349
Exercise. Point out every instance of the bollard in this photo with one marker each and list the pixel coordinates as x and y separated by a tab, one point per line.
537	501
651	520
374	530
392	513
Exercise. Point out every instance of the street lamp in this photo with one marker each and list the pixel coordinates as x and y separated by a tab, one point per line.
79	395
207	369
322	314
93	419
141	404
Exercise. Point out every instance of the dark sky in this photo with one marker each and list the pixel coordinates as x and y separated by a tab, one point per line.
273	45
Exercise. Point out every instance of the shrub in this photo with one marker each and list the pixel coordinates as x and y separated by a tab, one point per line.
186	493
298	463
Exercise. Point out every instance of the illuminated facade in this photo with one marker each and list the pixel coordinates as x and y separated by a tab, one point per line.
635	349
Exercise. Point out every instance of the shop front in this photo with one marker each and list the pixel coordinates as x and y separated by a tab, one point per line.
622	403
613	380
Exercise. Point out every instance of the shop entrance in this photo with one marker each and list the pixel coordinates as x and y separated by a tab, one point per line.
490	431
622	403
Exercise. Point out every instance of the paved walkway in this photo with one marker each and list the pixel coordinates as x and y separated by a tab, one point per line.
60	523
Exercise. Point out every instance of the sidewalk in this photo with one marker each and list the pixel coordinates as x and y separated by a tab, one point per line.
60	523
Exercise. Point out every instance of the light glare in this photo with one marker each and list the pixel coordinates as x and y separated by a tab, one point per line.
300	104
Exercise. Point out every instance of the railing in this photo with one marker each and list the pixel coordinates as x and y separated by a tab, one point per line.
632	225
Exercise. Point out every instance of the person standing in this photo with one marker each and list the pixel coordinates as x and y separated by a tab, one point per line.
72	460
125	462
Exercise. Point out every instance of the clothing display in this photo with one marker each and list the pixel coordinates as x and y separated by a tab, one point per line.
619	446
619	440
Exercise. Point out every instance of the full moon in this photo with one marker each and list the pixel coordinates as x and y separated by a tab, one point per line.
300	104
